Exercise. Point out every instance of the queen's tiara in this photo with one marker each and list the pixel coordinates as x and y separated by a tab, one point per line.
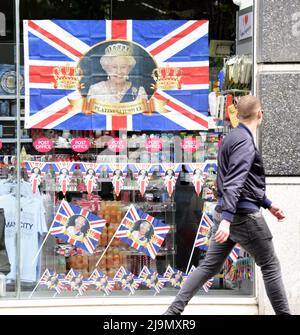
118	49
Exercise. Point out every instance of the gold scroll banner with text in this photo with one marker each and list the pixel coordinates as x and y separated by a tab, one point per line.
91	106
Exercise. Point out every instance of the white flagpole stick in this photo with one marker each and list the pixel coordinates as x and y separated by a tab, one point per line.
45	237
187	268
55	294
41	246
37	285
107	247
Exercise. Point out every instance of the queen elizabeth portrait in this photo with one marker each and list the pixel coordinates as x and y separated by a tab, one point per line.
117	62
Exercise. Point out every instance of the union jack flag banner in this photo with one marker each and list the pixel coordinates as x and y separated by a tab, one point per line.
208	284
77	226
191	269
234	255
64	172
36	171
101	282
152	279
175	277
52	280
142	231
128	281
91	173
142	173
170	173
71	81
205	225
197	175
74	281
210	166
117	174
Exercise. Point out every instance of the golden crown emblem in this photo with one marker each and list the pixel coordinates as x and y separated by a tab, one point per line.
118	49
64	221
67	77
167	78
155	240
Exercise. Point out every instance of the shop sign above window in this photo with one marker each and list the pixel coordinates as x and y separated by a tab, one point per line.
245	26
190	144
116	145
80	144
43	144
153	144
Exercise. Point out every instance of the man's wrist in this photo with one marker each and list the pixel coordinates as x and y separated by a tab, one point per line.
228	216
267	203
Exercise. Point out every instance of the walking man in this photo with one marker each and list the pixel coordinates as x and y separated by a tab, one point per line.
237	216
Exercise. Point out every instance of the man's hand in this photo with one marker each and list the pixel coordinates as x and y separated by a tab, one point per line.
222	233
277	212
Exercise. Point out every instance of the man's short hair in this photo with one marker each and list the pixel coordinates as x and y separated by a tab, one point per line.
247	107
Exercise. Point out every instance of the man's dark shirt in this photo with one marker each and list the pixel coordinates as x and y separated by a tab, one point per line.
241	175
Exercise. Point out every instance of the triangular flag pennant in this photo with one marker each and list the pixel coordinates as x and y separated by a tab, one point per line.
64	171
36	171
142	231
170	172
142	173
91	173
197	175
117	174
77	226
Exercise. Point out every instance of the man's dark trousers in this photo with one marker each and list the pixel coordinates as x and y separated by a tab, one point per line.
250	230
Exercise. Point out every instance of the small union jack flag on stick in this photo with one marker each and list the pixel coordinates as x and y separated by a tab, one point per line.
142	231
74	281
234	255
201	240
152	279
175	277
101	282
51	280
128	281
203	231
77	227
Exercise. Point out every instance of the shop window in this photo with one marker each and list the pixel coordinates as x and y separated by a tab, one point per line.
107	212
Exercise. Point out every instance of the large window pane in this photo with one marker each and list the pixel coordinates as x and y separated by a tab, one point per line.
182	211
